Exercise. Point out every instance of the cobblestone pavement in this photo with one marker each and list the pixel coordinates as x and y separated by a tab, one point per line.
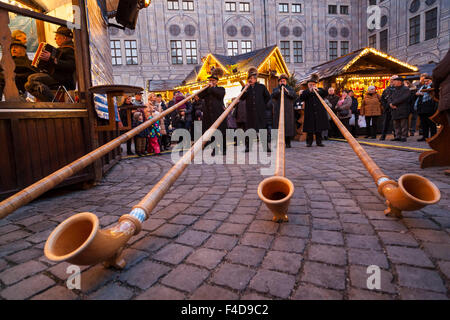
211	237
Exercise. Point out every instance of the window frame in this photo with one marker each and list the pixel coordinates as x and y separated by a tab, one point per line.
435	21
243	5
296	50
116	50
283	5
416	30
246	49
296	5
188	2
374	36
171	5
191	52
347	10
347	48
283	48
334	42
332	6
235	50
231	3
177	50
386	49
131	49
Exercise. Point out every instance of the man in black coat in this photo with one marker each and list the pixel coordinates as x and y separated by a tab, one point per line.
398	101
63	72
214	107
289	99
257	98
385	96
316	118
23	67
426	107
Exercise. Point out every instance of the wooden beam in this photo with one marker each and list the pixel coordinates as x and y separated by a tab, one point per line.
33	14
40	105
11	93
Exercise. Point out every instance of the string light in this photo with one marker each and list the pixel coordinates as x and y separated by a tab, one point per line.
380	54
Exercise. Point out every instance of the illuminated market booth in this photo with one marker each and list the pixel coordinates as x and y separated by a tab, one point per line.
40	135
269	62
359	70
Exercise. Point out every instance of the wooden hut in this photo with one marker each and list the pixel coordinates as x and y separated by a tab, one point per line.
37	138
269	62
359	70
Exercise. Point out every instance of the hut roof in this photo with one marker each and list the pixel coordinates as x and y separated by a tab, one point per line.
236	64
362	61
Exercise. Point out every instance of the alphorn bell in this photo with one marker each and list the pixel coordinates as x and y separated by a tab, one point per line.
412	192
30	193
79	240
276	191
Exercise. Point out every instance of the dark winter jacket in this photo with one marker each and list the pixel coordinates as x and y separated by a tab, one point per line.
316	117
198	109
441	80
289	119
65	66
189	109
399	97
385	96
354	106
23	69
144	133
257	97
333	99
425	103
213	107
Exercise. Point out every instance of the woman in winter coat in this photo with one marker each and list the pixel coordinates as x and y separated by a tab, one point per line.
372	109
343	109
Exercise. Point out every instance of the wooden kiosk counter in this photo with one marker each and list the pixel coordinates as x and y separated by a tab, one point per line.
38	138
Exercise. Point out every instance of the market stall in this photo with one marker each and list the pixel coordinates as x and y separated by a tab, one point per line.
40	136
359	70
269	62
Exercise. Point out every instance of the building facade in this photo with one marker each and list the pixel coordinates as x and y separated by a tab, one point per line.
172	36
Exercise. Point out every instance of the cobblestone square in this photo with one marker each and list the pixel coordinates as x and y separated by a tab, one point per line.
223	244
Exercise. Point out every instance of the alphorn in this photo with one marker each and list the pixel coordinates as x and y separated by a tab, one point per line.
276	191
30	193
412	192
78	239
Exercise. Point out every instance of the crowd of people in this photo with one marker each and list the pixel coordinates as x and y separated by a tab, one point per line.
56	68
400	104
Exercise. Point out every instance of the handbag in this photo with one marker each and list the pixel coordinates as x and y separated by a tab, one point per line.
352	120
362	122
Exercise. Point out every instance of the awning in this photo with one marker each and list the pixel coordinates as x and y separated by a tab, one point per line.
365	61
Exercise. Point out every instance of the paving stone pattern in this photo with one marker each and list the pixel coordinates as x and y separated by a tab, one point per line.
211	237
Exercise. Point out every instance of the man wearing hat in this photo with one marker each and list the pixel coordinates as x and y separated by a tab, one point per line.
385	96
398	101
289	99
214	106
316	117
23	67
426	107
64	68
256	99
